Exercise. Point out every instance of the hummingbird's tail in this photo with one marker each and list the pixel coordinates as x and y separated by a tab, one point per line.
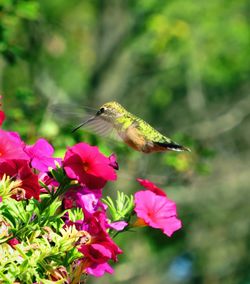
173	146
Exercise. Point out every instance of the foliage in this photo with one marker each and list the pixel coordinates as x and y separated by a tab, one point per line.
53	223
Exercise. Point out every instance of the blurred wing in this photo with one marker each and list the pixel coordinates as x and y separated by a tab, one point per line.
99	126
102	128
70	113
83	118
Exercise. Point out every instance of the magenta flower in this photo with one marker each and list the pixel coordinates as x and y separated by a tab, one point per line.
41	155
156	211
87	165
100	248
87	199
113	162
19	170
11	146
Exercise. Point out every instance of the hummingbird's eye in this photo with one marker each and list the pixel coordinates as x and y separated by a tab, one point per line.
100	111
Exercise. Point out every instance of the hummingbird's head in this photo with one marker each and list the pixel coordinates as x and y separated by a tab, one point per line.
110	111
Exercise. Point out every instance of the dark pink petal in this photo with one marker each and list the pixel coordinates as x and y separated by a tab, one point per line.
100	251
68	203
29	181
72	166
19	170
75	171
102	169
151	186
98	270
11	147
113	161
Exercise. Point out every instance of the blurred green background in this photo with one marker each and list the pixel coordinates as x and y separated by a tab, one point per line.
184	67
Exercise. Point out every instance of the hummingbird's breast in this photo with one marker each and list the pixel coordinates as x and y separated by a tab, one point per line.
133	138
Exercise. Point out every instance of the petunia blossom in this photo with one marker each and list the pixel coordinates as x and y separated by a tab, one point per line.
85	198
11	147
19	170
87	165
156	211
100	248
41	155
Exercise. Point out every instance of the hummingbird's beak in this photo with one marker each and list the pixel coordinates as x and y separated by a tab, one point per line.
85	122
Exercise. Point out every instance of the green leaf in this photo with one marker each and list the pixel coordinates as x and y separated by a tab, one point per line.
28	10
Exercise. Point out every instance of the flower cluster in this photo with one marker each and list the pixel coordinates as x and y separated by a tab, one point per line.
53	216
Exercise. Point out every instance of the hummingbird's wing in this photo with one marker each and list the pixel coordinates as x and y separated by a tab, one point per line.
70	114
98	126
103	128
75	117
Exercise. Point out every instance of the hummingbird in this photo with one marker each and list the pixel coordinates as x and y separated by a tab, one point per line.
134	131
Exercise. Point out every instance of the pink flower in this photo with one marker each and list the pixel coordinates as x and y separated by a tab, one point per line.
100	248
87	165
11	147
41	155
156	211
83	197
19	170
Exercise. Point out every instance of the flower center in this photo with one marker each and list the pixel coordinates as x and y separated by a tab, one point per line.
86	166
139	222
